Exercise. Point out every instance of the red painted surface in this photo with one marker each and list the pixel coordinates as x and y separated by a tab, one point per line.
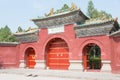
75	45
110	48
84	58
9	57
115	55
58	54
85	61
30	58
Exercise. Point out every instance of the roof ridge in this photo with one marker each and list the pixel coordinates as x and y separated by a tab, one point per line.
9	42
95	21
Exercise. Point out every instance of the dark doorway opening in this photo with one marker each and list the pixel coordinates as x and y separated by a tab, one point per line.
92	57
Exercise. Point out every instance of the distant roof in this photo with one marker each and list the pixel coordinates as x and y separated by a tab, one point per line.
30	35
29	31
96	27
9	43
95	22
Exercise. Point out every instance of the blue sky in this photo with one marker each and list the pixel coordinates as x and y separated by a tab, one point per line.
16	13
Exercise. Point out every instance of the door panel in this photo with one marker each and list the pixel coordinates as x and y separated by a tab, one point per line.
30	58
58	55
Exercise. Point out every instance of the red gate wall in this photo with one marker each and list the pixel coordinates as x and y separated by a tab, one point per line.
75	44
115	55
110	48
9	57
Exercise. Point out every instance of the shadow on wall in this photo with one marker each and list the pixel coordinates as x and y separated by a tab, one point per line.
1	64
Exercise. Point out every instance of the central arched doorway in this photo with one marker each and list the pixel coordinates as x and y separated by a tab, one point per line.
92	57
57	54
30	58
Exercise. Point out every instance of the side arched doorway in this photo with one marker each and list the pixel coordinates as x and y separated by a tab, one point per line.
57	54
92	57
29	58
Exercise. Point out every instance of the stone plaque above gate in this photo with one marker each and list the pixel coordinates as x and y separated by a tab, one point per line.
56	29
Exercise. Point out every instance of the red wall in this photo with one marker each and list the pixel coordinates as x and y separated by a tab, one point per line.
115	55
44	38
110	48
75	45
9	57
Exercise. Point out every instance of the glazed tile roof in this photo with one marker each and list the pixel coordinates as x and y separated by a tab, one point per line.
60	19
65	9
30	35
96	27
54	15
95	22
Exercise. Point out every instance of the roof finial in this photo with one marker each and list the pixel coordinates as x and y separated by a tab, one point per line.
78	9
73	6
115	19
51	12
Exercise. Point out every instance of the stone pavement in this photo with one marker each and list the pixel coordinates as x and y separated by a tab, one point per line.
38	74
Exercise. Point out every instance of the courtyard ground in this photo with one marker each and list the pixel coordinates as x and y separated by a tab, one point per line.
38	74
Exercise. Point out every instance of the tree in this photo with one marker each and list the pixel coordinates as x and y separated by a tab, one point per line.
95	14
20	29
65	7
103	14
91	9
6	35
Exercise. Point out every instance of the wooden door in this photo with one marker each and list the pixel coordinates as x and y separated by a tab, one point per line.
58	55
30	62
86	62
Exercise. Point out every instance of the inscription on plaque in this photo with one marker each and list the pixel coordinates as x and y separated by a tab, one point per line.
57	29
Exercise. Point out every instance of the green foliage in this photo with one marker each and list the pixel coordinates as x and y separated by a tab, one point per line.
65	7
95	57
6	35
91	9
104	14
95	14
95	63
20	29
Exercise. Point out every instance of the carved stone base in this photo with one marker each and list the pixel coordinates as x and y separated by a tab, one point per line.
40	64
22	64
76	65
106	66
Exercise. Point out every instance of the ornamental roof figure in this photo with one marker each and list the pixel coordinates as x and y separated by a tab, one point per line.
65	8
63	16
73	6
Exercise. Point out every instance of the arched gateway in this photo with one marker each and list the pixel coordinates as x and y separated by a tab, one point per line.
29	58
57	54
89	37
92	57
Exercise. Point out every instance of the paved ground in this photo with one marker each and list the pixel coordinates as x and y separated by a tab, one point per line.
38	74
